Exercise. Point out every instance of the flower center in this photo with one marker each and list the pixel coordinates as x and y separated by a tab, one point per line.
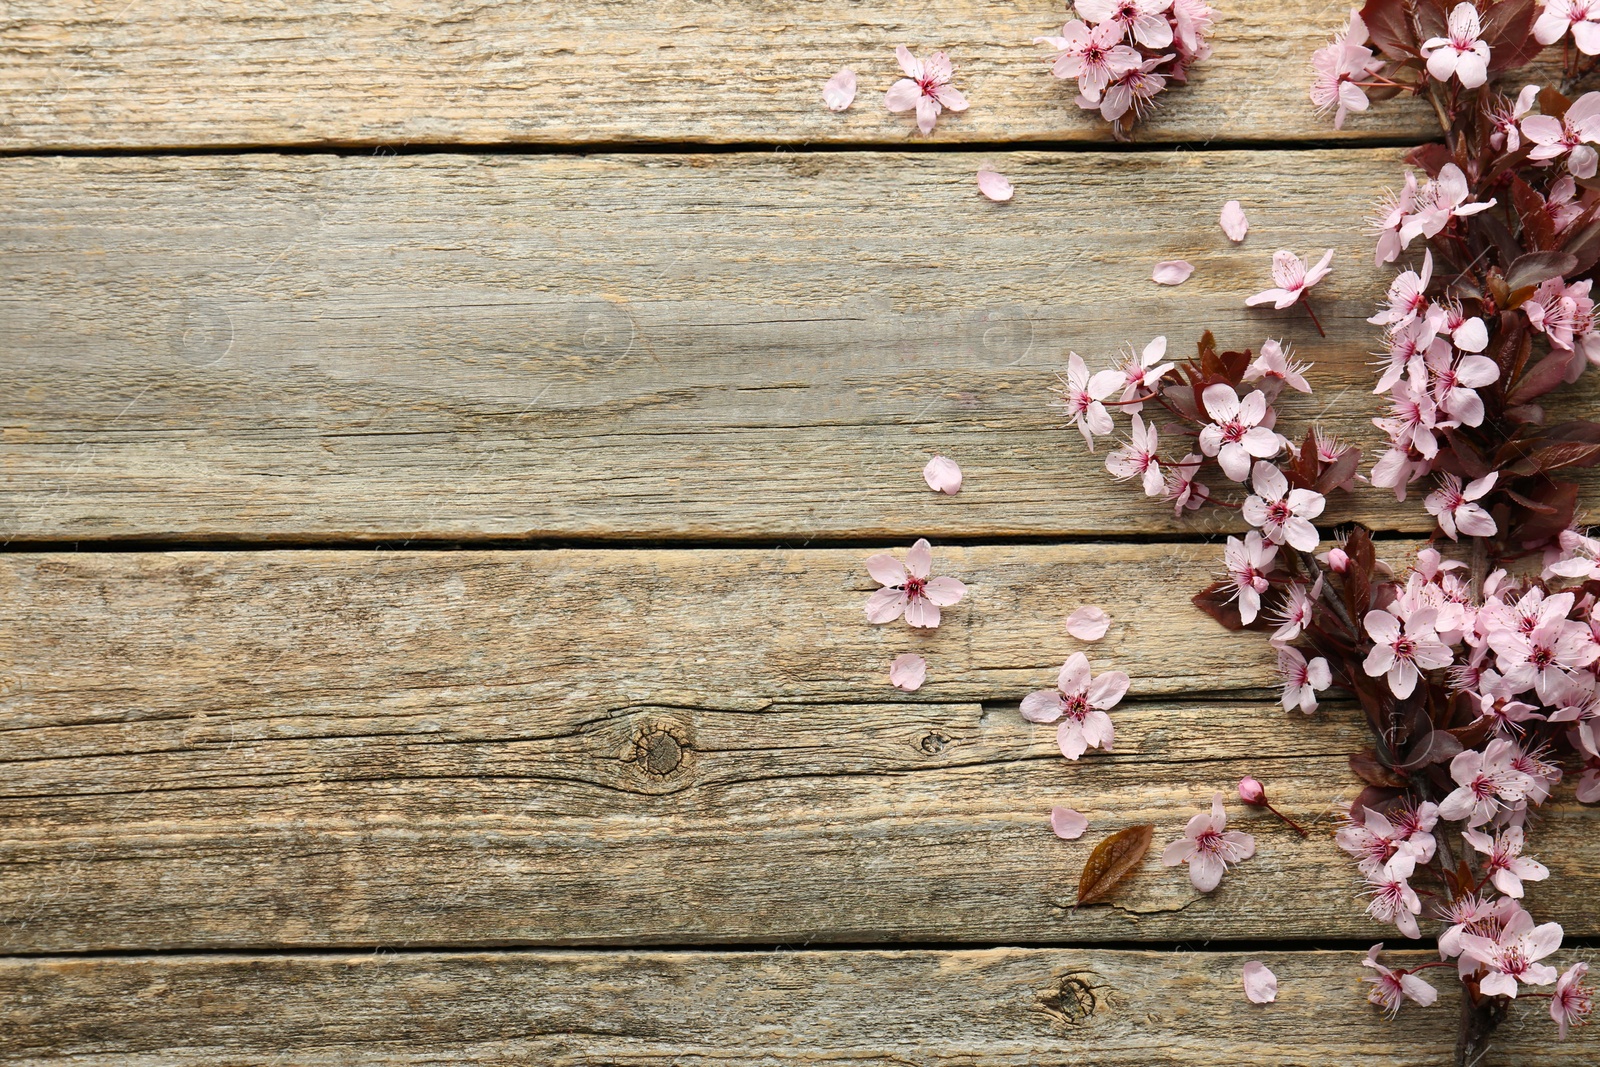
914	586
1208	841
1278	511
1541	657
1075	706
1233	431
1404	647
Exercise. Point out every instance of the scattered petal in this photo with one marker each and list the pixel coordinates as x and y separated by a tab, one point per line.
840	91
1172	272
1068	824
1260	984
993	185
908	672
942	475
1088	623
1234	224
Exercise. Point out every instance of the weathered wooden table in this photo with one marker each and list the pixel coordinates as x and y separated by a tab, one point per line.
439	442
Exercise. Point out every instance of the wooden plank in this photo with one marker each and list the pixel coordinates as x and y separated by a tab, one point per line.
1002	1006
227	750
734	346
428	72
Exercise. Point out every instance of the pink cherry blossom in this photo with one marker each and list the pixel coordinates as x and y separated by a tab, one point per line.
1139	459
1393	899
1131	91
840	91
1067	824
1582	17
1171	272
1292	278
1251	791
1455	383
1248	562
994	185
1375	838
908	672
1442	199
926	87
1485	783
1095	56
1454	507
1462	55
1572	1001
1260	984
907	589
1142	371
1387	220
1403	654
1513	956
1144	21
1208	846
1084	396
1571	135
1296	612
1233	222
1302	679
1185	493
1507	867
1391	988
1338	68
1407	297
1088	623
1239	430
1507	137
1275	363
1080	702
1542	658
1283	514
943	475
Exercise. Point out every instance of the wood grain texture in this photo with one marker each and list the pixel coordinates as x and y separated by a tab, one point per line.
733	346
242	750
1004	1006
208	73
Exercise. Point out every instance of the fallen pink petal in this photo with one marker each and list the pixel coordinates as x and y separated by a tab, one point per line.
1172	272
908	672
994	185
942	475
840	91
1088	623
1234	224
1068	824
1260	984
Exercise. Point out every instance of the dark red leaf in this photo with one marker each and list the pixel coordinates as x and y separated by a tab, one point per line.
1369	770
1538	228
1339	471
1553	103
1557	457
1539	379
1113	860
1436	746
1220	601
1508	31
1536	267
1389	27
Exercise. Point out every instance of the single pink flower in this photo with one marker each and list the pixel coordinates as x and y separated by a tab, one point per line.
1234	224
1130	91
1462	55
1080	702
1456	382
1275	362
1393	899
1391	214
1507	867
1442	199
1248	562
1302	679
1239	431
994	185
1095	56
1513	956
1171	272
1572	1001
1143	371
1283	514
1338	67
1260	984
1088	623
1297	611
943	475
1408	297
840	91
1144	21
1391	988
908	672
1139	459
1403	655
1252	791
1485	783
1208	846
1084	396
1067	824
1454	508
907	589
1185	493
1543	658
1582	17
1507	136
1293	279
926	87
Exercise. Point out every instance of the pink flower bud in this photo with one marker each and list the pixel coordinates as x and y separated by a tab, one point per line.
1252	791
1338	561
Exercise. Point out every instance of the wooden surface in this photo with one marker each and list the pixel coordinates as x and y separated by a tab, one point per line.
569	780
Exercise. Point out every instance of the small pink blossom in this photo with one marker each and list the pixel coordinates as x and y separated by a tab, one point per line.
1462	55
1239	431
926	87
1144	21
1088	623
1139	459
1572	1001
1233	222
1513	956
943	475
1391	988
1387	220
1507	137
1171	272
1080	702
994	185
1442	199
1252	791
1572	135
908	672
1143	371
1454	508
1393	899
1208	846
1455	382
1582	17
840	91
1485	783
1507	867
1095	56
1283	514
907	589
1084	396
1067	824
1402	655
1247	562
1185	493
1275	362
1302	679
1260	984
1337	69
1297	611
1293	279
1407	297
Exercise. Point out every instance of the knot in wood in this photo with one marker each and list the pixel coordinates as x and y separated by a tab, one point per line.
657	750
1071	999
933	742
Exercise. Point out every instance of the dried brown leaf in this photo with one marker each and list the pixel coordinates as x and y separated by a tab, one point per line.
1113	860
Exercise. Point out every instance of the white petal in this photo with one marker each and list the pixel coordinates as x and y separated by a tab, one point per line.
1171	272
840	90
1088	623
908	672
993	185
1234	224
1260	984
